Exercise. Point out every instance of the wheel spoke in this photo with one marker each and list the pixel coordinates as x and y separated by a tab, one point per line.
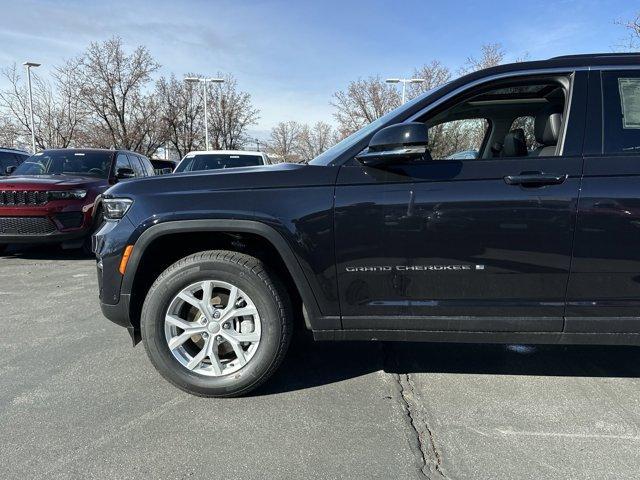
239	312
244	312
197	360
207	292
190	299
178	322
237	348
213	356
244	337
233	298
178	340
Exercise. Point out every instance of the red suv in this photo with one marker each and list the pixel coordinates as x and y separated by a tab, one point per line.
53	196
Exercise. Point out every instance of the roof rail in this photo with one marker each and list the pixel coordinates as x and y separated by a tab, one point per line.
14	149
596	55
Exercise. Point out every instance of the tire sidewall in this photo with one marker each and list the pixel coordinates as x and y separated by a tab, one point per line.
156	307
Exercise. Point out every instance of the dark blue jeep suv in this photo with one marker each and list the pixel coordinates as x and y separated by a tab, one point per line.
395	233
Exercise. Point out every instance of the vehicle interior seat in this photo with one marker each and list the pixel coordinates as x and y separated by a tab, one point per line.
547	131
514	144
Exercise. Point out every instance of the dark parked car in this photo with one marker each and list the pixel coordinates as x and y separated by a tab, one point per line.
388	236
10	159
53	196
163	167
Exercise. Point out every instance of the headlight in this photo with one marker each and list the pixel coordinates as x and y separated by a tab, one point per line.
67	194
115	208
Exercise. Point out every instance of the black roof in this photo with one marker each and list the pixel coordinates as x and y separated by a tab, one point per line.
564	61
607	55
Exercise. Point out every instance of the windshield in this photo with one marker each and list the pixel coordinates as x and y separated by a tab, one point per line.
328	156
216	161
67	162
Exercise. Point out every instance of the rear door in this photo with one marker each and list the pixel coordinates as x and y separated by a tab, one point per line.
604	289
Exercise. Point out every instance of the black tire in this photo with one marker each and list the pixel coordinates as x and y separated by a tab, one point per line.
3	248
250	275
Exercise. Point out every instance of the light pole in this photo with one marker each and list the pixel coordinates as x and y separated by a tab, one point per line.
404	82
29	65
204	82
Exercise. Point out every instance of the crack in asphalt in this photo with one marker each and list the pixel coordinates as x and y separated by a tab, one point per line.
430	457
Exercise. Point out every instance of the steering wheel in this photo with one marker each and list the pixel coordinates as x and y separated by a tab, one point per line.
96	171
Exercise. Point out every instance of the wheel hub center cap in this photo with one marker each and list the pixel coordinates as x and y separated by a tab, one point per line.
213	327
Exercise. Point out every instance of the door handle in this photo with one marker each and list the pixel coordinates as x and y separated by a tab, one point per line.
535	179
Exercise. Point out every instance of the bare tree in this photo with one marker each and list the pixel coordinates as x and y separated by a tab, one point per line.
313	140
10	133
181	110
112	85
231	113
434	74
492	54
284	141
362	102
57	109
632	27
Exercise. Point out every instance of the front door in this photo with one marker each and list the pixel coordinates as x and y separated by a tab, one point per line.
479	237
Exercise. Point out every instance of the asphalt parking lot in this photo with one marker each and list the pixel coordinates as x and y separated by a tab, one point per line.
77	401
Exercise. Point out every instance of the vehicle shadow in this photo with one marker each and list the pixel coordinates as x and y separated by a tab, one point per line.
311	364
43	252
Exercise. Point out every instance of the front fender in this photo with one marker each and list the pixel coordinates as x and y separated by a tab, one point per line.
315	317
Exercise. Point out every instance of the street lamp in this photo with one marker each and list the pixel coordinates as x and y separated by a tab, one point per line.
404	82
204	82
29	65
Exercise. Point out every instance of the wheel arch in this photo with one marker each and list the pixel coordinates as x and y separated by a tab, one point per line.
232	233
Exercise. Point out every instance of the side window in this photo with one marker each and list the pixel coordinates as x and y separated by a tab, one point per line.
4	162
513	120
146	164
122	161
458	139
136	166
527	124
621	112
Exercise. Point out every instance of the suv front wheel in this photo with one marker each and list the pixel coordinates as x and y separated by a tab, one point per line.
216	323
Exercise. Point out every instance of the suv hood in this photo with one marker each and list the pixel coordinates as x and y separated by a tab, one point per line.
49	182
282	175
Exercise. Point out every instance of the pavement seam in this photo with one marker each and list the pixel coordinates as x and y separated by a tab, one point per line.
432	455
424	446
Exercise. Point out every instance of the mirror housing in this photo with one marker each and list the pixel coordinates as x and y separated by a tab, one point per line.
397	143
124	173
10	169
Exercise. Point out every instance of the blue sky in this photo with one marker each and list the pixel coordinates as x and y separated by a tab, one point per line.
292	55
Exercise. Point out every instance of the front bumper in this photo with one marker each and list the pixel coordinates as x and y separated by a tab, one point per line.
38	225
54	237
119	314
108	244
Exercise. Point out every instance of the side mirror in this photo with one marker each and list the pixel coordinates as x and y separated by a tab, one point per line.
10	169
124	173
397	143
